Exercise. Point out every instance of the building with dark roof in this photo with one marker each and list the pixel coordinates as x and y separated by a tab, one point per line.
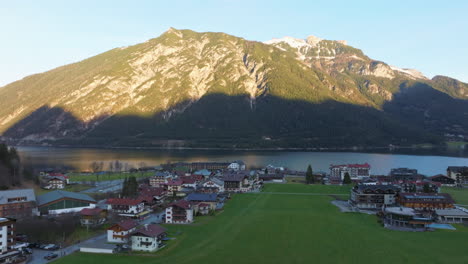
92	217
405	174
443	180
120	232
180	212
60	202
426	201
126	206
235	181
18	203
373	196
458	173
148	238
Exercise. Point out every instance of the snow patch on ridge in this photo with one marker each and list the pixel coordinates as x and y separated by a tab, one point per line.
414	74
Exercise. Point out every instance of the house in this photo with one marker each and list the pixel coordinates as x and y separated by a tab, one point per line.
236	182
213	185
126	206
237	165
62	202
451	216
426	201
405	219
458	173
92	217
173	186
18	204
202	208
54	182
189	182
159	179
7	235
120	232
355	171
373	196
208	198
148	238
180	212
443	180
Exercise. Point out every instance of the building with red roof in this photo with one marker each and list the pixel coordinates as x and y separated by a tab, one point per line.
126	206
355	171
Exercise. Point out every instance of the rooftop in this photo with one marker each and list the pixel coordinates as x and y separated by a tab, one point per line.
400	211
126	224
59	194
450	212
28	193
150	230
206	197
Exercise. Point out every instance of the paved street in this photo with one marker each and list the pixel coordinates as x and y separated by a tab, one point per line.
105	186
38	254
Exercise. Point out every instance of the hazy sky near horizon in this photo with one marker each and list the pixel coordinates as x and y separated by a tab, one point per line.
431	36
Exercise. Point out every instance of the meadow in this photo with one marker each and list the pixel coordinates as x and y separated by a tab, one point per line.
107	176
271	227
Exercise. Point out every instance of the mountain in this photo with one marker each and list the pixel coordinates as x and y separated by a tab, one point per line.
192	89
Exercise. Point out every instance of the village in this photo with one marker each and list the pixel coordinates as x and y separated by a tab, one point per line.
132	216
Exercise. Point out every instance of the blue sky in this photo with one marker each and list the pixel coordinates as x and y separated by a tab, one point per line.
431	36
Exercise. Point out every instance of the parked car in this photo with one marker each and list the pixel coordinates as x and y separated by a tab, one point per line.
27	251
33	245
50	256
51	247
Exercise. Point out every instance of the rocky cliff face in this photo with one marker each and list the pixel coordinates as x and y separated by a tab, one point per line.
168	76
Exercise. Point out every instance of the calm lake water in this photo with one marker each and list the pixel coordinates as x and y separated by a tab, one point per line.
80	158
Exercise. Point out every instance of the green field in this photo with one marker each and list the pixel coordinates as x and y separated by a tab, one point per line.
460	195
282	228
106	177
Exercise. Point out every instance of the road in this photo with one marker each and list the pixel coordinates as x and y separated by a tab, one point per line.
105	187
38	254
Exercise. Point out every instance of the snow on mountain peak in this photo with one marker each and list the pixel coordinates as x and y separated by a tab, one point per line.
414	74
293	42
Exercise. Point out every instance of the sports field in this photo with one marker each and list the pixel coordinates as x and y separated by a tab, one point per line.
295	228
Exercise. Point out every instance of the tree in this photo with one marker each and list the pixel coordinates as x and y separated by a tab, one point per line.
426	188
309	175
347	179
130	187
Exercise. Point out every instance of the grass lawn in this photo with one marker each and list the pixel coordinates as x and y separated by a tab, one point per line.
107	176
295	179
460	195
280	228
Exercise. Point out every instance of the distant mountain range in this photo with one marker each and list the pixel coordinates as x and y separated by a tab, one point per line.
192	89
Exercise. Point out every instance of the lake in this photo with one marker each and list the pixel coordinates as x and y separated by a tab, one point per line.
381	163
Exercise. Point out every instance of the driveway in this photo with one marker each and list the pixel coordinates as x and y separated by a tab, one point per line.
38	254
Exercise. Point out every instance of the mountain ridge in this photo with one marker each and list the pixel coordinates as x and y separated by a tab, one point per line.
167	76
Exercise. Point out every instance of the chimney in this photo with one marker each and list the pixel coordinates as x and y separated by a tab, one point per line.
146	227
